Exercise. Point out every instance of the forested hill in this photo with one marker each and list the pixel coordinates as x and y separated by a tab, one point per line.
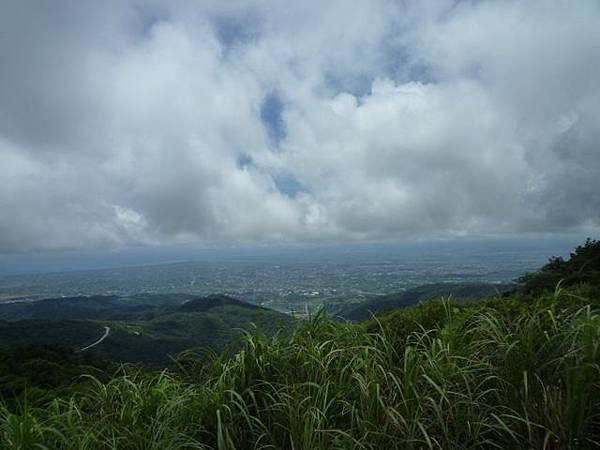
519	371
410	297
146	330
582	267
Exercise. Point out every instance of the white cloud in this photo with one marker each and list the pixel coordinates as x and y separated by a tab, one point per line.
127	123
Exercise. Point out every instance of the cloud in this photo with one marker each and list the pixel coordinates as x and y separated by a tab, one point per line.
142	122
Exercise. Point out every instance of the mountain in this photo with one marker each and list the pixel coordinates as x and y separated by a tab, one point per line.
215	301
463	291
582	267
137	332
513	372
94	307
520	371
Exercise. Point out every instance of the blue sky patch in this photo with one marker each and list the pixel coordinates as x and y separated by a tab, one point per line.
271	113
236	30
244	160
357	85
288	185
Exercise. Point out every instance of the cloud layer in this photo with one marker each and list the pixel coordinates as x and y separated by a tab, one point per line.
143	122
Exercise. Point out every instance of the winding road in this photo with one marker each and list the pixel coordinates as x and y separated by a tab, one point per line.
104	336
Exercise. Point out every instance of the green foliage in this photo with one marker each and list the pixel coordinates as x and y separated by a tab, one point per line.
583	266
147	334
414	296
60	333
513	372
506	373
42	372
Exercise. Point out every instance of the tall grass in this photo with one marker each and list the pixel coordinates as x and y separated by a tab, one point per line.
503	374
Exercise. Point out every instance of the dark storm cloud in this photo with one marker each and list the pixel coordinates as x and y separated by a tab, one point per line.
144	122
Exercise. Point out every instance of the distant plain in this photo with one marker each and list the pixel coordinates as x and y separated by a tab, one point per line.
287	279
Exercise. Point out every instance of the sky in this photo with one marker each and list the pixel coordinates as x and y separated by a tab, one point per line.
150	123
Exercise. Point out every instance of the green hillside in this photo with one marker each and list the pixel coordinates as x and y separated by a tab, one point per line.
139	333
95	307
520	371
509	373
463	291
582	267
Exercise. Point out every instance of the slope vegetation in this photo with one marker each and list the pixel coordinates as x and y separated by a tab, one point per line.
518	372
510	373
410	297
140	333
